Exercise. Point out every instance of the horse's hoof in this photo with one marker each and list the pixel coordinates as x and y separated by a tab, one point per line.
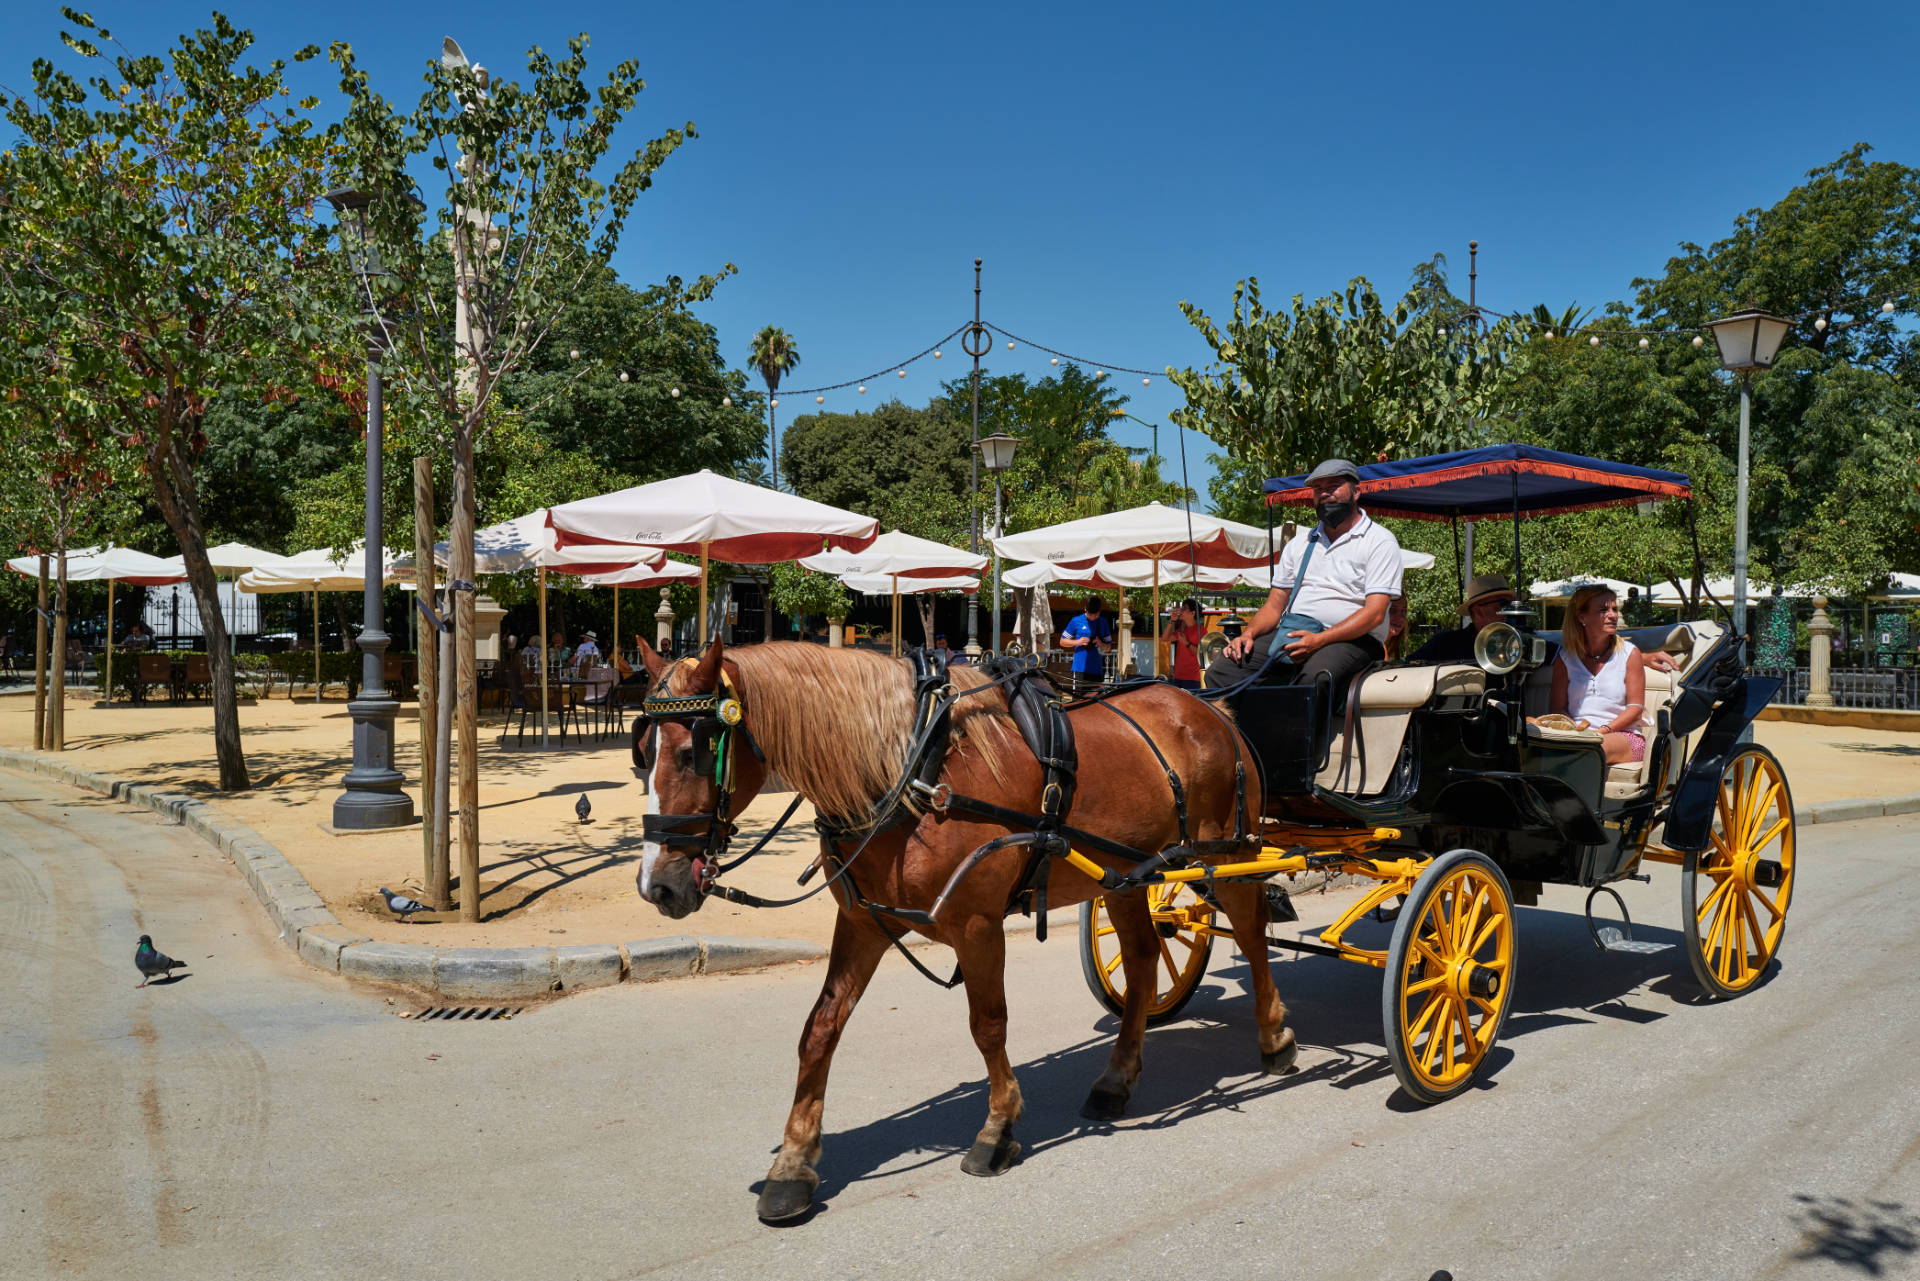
784	1200
1280	1060
988	1159
1104	1105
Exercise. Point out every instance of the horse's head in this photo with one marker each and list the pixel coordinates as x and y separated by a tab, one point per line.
701	770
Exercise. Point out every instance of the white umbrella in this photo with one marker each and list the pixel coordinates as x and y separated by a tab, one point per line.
1904	587
663	574
1559	593
109	565
1721	589
896	555
318	571
529	542
712	517
885	584
233	559
1154	532
1107	575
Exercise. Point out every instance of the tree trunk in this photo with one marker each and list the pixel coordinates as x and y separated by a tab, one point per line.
40	639
175	493
467	727
427	664
57	698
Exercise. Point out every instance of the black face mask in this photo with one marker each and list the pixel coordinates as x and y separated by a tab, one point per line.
1333	513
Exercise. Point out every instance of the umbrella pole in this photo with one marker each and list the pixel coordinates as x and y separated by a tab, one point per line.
616	622
546	657
1156	618
107	695
316	644
701	638
896	615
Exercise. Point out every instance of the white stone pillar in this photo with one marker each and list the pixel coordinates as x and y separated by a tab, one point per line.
1819	656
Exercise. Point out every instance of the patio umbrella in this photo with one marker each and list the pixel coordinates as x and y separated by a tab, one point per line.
712	517
110	565
1152	533
1559	593
663	574
1667	596
233	559
528	542
896	555
318	571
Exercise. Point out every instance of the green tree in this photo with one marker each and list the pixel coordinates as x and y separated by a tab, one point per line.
856	460
166	203
774	353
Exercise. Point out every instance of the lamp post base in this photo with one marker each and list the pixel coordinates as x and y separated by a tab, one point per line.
373	799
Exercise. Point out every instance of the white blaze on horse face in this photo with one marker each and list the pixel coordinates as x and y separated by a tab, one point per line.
650	850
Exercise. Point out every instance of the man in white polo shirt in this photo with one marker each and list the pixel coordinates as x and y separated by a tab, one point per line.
1352	574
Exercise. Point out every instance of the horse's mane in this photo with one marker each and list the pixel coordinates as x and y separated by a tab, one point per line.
836	723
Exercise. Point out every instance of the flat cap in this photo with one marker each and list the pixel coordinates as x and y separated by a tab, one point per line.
1335	469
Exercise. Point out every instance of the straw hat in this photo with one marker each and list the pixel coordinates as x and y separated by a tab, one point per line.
1486	587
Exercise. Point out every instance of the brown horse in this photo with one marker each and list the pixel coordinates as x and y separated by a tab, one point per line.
836	724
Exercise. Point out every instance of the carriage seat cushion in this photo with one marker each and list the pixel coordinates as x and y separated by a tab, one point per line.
1384	702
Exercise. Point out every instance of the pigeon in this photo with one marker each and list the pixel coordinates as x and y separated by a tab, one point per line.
402	906
152	962
582	808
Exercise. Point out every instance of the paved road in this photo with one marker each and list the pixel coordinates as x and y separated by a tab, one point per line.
255	1118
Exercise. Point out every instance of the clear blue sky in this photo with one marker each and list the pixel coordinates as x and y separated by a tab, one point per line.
1109	160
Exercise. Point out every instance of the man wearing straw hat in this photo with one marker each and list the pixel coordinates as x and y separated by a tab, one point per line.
1485	595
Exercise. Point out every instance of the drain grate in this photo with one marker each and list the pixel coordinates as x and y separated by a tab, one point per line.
476	1013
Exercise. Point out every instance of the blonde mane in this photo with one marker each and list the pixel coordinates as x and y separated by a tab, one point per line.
836	723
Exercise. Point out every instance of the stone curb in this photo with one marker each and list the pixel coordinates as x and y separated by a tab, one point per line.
454	973
1847	811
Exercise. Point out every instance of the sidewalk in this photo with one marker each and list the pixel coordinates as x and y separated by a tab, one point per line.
548	880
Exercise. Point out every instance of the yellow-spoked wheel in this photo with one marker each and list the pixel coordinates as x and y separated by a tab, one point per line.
1450	972
1178	915
1734	893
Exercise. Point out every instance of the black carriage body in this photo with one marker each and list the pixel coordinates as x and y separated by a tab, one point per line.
1468	772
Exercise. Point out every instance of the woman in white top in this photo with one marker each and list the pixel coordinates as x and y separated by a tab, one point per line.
1599	677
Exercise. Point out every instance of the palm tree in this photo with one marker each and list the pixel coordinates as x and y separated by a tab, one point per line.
773	353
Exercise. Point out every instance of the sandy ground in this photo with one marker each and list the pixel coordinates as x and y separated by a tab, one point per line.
548	879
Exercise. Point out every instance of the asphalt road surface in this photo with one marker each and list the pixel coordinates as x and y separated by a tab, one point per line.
254	1118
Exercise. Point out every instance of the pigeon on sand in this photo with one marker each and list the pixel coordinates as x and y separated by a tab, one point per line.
582	808
153	963
402	906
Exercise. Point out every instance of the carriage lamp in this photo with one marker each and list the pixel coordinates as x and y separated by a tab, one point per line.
1748	340
996	451
372	798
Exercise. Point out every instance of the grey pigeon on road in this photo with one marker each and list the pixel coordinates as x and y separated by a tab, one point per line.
402	906
153	963
582	808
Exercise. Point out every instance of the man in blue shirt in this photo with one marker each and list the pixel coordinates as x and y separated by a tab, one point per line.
1089	636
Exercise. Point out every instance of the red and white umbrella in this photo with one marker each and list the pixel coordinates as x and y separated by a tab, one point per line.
1154	533
897	555
714	517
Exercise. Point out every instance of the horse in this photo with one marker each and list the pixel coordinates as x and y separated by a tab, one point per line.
837	725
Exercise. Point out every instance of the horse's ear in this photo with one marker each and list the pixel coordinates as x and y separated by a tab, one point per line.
649	659
706	673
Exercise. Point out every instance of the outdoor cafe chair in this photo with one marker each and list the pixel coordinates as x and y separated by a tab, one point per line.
598	699
514	700
154	669
197	679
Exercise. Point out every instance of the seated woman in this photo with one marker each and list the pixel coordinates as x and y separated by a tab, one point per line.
1599	677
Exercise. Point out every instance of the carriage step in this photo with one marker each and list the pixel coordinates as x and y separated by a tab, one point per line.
1280	908
1614	941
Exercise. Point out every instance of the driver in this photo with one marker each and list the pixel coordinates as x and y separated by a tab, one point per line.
1338	624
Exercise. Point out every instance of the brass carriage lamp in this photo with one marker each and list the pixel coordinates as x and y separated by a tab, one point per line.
996	451
1748	340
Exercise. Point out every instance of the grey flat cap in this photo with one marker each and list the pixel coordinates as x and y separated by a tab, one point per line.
1335	469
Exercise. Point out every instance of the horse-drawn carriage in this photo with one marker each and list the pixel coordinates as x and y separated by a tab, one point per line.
947	800
1435	786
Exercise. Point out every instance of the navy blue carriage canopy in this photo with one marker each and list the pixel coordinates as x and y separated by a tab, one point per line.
1490	482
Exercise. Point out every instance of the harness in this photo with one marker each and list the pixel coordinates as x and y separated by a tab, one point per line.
1041	717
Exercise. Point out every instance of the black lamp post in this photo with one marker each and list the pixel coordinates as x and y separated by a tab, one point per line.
1748	340
373	798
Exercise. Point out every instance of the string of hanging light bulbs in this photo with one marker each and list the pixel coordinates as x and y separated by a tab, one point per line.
1882	307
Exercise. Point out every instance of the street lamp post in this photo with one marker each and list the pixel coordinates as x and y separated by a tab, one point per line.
976	342
1748	340
373	798
996	451
1152	427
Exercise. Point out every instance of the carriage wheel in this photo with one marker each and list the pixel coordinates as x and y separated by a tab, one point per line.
1734	893
1184	948
1450	972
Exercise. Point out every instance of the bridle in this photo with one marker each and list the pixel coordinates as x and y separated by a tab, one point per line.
711	719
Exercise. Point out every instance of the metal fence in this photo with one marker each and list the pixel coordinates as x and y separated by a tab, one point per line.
1872	688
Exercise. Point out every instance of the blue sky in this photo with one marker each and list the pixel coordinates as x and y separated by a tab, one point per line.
1109	160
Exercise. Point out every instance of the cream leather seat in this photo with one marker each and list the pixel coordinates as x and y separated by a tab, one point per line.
1384	703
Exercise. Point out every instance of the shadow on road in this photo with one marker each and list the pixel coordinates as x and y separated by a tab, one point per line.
1866	1236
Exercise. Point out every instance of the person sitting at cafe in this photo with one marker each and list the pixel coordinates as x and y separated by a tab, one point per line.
589	651
1330	616
137	637
558	650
